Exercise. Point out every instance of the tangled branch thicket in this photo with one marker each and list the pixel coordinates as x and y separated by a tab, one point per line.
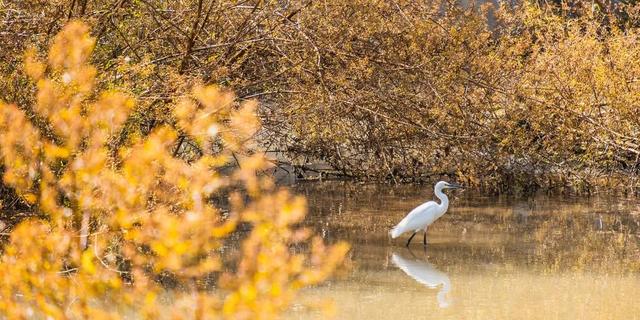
522	95
128	230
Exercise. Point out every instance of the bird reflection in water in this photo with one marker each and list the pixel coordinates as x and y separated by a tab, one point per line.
426	274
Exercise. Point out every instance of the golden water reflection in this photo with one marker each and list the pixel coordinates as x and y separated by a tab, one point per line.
543	257
425	273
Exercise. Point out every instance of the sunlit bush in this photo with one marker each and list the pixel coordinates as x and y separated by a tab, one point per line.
121	228
515	96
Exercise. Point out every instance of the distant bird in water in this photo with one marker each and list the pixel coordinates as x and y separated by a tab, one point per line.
425	214
426	274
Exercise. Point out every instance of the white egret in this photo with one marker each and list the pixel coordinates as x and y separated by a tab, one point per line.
425	214
426	274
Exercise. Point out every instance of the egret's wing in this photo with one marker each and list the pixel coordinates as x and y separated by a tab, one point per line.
416	219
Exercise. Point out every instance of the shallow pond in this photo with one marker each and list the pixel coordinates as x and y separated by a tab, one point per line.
542	257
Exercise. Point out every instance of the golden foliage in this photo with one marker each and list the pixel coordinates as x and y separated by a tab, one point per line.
116	222
521	95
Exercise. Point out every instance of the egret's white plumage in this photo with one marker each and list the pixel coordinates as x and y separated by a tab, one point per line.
425	214
426	274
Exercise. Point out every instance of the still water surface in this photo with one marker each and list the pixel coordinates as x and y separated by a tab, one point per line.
542	257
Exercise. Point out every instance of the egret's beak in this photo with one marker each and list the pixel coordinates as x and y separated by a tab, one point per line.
455	186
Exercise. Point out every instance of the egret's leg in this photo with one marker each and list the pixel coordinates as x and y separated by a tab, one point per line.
409	241
424	239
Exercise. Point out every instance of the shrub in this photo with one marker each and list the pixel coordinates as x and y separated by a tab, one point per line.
119	223
512	97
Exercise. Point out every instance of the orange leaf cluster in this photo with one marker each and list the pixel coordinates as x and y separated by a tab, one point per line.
118	225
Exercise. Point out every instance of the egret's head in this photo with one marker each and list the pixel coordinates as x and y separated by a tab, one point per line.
446	185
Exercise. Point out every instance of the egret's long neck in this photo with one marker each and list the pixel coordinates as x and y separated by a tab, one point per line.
444	200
